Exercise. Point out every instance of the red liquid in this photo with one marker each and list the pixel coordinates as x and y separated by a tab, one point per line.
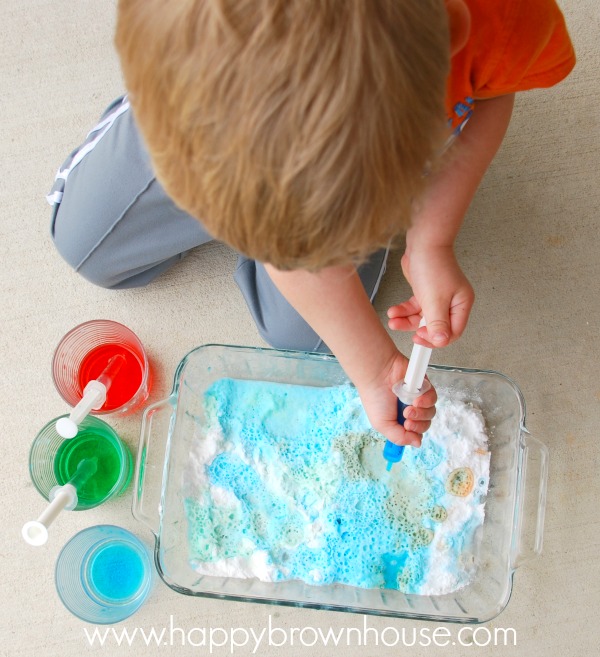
127	379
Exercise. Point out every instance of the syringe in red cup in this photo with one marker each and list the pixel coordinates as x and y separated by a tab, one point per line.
414	385
100	367
94	397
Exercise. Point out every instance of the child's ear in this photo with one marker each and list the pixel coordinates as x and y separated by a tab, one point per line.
459	18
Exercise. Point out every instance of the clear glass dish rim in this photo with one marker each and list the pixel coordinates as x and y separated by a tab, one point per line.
294	354
313	355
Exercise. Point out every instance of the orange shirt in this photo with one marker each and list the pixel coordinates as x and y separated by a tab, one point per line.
513	45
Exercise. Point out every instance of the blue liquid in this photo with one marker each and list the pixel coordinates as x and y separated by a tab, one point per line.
116	572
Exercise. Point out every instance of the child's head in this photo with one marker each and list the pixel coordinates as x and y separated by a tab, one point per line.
296	130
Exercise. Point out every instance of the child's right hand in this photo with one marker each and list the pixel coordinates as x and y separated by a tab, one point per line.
381	406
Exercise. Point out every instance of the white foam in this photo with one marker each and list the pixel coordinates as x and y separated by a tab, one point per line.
256	565
462	428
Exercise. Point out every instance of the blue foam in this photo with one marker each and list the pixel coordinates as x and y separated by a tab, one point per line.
296	455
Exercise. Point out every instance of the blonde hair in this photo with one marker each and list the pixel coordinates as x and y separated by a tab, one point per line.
296	130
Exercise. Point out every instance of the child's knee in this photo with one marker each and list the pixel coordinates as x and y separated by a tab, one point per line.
276	320
97	185
72	243
81	249
296	335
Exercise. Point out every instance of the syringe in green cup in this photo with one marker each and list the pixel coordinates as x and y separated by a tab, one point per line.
35	532
414	385
94	396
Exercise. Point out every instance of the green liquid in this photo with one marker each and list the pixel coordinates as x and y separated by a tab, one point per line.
111	463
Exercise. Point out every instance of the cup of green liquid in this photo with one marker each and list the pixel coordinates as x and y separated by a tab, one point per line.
76	474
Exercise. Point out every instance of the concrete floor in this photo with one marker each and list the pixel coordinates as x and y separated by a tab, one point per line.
530	246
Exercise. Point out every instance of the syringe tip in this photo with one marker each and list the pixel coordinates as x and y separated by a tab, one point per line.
389	465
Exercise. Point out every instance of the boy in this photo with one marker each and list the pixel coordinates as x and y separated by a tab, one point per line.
308	134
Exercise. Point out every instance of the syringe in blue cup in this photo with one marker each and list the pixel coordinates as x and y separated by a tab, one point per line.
414	385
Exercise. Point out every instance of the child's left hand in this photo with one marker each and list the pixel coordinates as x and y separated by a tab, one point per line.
442	294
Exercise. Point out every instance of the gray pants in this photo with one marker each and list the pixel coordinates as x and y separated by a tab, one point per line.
114	224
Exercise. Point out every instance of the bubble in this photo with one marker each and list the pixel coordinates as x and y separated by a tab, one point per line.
460	482
423	537
438	513
430	455
260	522
437	488
293	534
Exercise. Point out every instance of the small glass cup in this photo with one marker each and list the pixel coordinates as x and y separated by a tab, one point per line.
91	344
103	574
106	460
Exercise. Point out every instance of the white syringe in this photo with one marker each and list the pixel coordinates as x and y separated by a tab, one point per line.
94	396
414	385
35	532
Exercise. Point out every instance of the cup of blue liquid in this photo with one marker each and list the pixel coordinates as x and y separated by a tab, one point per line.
103	574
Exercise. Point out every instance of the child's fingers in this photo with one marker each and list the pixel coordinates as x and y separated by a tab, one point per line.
404	323
449	321
405	309
414	426
419	414
459	316
417	339
394	432
413	439
403	318
402	436
426	400
408	434
437	331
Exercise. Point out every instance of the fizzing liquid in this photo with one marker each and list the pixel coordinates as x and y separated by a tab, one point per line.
127	380
111	463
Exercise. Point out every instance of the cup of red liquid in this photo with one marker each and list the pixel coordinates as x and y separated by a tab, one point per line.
95	348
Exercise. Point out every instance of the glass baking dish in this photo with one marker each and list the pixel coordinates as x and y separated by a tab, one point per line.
514	512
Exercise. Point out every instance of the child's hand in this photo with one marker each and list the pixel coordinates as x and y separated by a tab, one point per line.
442	294
381	406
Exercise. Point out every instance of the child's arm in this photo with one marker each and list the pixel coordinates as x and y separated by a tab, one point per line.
335	304
441	291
